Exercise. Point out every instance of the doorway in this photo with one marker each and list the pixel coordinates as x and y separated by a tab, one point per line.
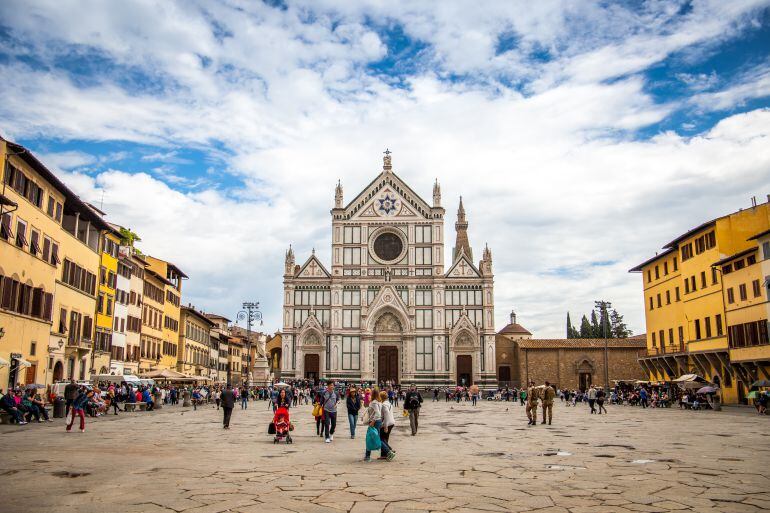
504	374
387	364
58	372
312	367
465	370
584	380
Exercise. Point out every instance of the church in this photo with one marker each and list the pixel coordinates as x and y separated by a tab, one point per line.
388	307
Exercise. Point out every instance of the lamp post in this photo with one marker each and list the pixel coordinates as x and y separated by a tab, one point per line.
250	313
603	306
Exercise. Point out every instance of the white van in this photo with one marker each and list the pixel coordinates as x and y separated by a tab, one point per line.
117	379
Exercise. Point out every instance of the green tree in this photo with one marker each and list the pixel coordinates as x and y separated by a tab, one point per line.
618	327
571	331
129	238
585	328
596	330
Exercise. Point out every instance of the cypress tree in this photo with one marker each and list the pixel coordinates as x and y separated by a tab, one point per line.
585	328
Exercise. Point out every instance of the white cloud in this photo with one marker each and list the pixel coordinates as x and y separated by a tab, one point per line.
550	178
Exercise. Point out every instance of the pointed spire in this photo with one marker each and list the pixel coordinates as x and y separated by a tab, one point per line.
289	264
487	253
386	163
461	227
338	195
436	194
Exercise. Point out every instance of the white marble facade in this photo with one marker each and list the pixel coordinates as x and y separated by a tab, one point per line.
389	307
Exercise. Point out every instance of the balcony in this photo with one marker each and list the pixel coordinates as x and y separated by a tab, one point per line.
79	344
670	349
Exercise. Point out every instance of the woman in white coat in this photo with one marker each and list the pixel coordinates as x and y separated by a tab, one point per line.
388	421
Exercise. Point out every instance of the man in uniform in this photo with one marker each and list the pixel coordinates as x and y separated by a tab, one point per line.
532	396
548	396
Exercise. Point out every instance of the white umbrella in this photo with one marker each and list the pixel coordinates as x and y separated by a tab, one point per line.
281	384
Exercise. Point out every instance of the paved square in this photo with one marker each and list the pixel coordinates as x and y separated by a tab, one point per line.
464	459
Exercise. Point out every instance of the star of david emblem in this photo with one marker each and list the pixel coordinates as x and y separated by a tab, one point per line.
387	204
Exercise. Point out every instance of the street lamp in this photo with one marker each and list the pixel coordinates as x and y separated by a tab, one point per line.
250	313
603	307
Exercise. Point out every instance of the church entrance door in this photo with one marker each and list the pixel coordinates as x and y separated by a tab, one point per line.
312	366
464	370
387	364
584	381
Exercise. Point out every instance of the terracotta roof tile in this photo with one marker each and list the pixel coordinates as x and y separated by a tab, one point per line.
578	343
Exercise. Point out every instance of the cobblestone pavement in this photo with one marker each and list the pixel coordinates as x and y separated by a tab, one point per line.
464	459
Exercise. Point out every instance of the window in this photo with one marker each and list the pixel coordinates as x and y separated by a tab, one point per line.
742	291
649	275
697	329
422	234
51	204
692	283
707	325
659	303
34	242
676	266
751	260
727	269
5	227
351	256
687	252
654	340
671	336
676	294
739	264
351	353
403	293
54	254
423	297
58	212
686	286
657	272
371	293
662	339
100	303
21	233
422	256
352	235
756	288
668	297
703	279
681	334
730	296
423	318
718	321
62	320
665	268
78	277
351	297
351	318
25	299
424	353
651	307
714	278
766	250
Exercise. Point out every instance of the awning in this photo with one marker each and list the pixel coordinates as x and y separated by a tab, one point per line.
4	362
163	374
687	378
22	363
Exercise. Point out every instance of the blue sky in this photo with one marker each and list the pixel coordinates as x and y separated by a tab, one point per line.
582	135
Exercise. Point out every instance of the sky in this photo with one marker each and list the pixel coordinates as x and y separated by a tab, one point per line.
582	136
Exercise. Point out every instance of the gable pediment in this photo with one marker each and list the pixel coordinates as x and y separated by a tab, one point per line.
463	268
388	197
313	268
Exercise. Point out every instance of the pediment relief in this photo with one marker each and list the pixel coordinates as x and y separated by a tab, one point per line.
313	268
387	197
387	323
463	268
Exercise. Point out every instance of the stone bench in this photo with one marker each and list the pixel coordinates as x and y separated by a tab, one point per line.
133	406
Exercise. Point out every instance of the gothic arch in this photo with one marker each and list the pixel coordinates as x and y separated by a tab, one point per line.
399	314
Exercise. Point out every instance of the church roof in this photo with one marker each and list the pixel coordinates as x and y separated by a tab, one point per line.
514	329
580	343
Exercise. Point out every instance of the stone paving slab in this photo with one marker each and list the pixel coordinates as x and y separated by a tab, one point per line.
464	459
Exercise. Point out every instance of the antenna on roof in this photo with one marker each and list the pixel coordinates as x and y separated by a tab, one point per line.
101	203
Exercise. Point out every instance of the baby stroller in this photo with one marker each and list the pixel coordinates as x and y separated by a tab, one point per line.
281	426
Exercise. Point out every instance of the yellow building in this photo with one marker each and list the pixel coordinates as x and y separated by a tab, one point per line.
105	302
195	344
685	307
745	293
48	260
172	298
152	322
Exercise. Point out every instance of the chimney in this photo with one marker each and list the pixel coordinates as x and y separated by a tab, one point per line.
753	201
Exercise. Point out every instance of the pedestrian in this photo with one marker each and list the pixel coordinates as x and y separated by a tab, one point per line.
548	396
643	397
373	417
353	404
329	403
318	413
412	403
228	403
70	393
600	400
533	394
388	421
217	397
243	393
592	398
474	394
522	395
78	408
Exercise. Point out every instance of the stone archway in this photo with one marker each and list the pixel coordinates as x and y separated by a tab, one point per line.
58	372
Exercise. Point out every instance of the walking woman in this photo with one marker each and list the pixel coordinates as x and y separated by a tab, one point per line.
78	408
353	404
374	416
388	421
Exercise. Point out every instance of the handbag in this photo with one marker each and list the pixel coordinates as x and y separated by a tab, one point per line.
373	442
316	410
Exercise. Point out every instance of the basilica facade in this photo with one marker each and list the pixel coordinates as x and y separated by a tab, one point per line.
388	307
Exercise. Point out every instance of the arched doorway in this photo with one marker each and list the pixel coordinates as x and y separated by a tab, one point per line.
585	371
387	333
58	372
464	370
312	366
